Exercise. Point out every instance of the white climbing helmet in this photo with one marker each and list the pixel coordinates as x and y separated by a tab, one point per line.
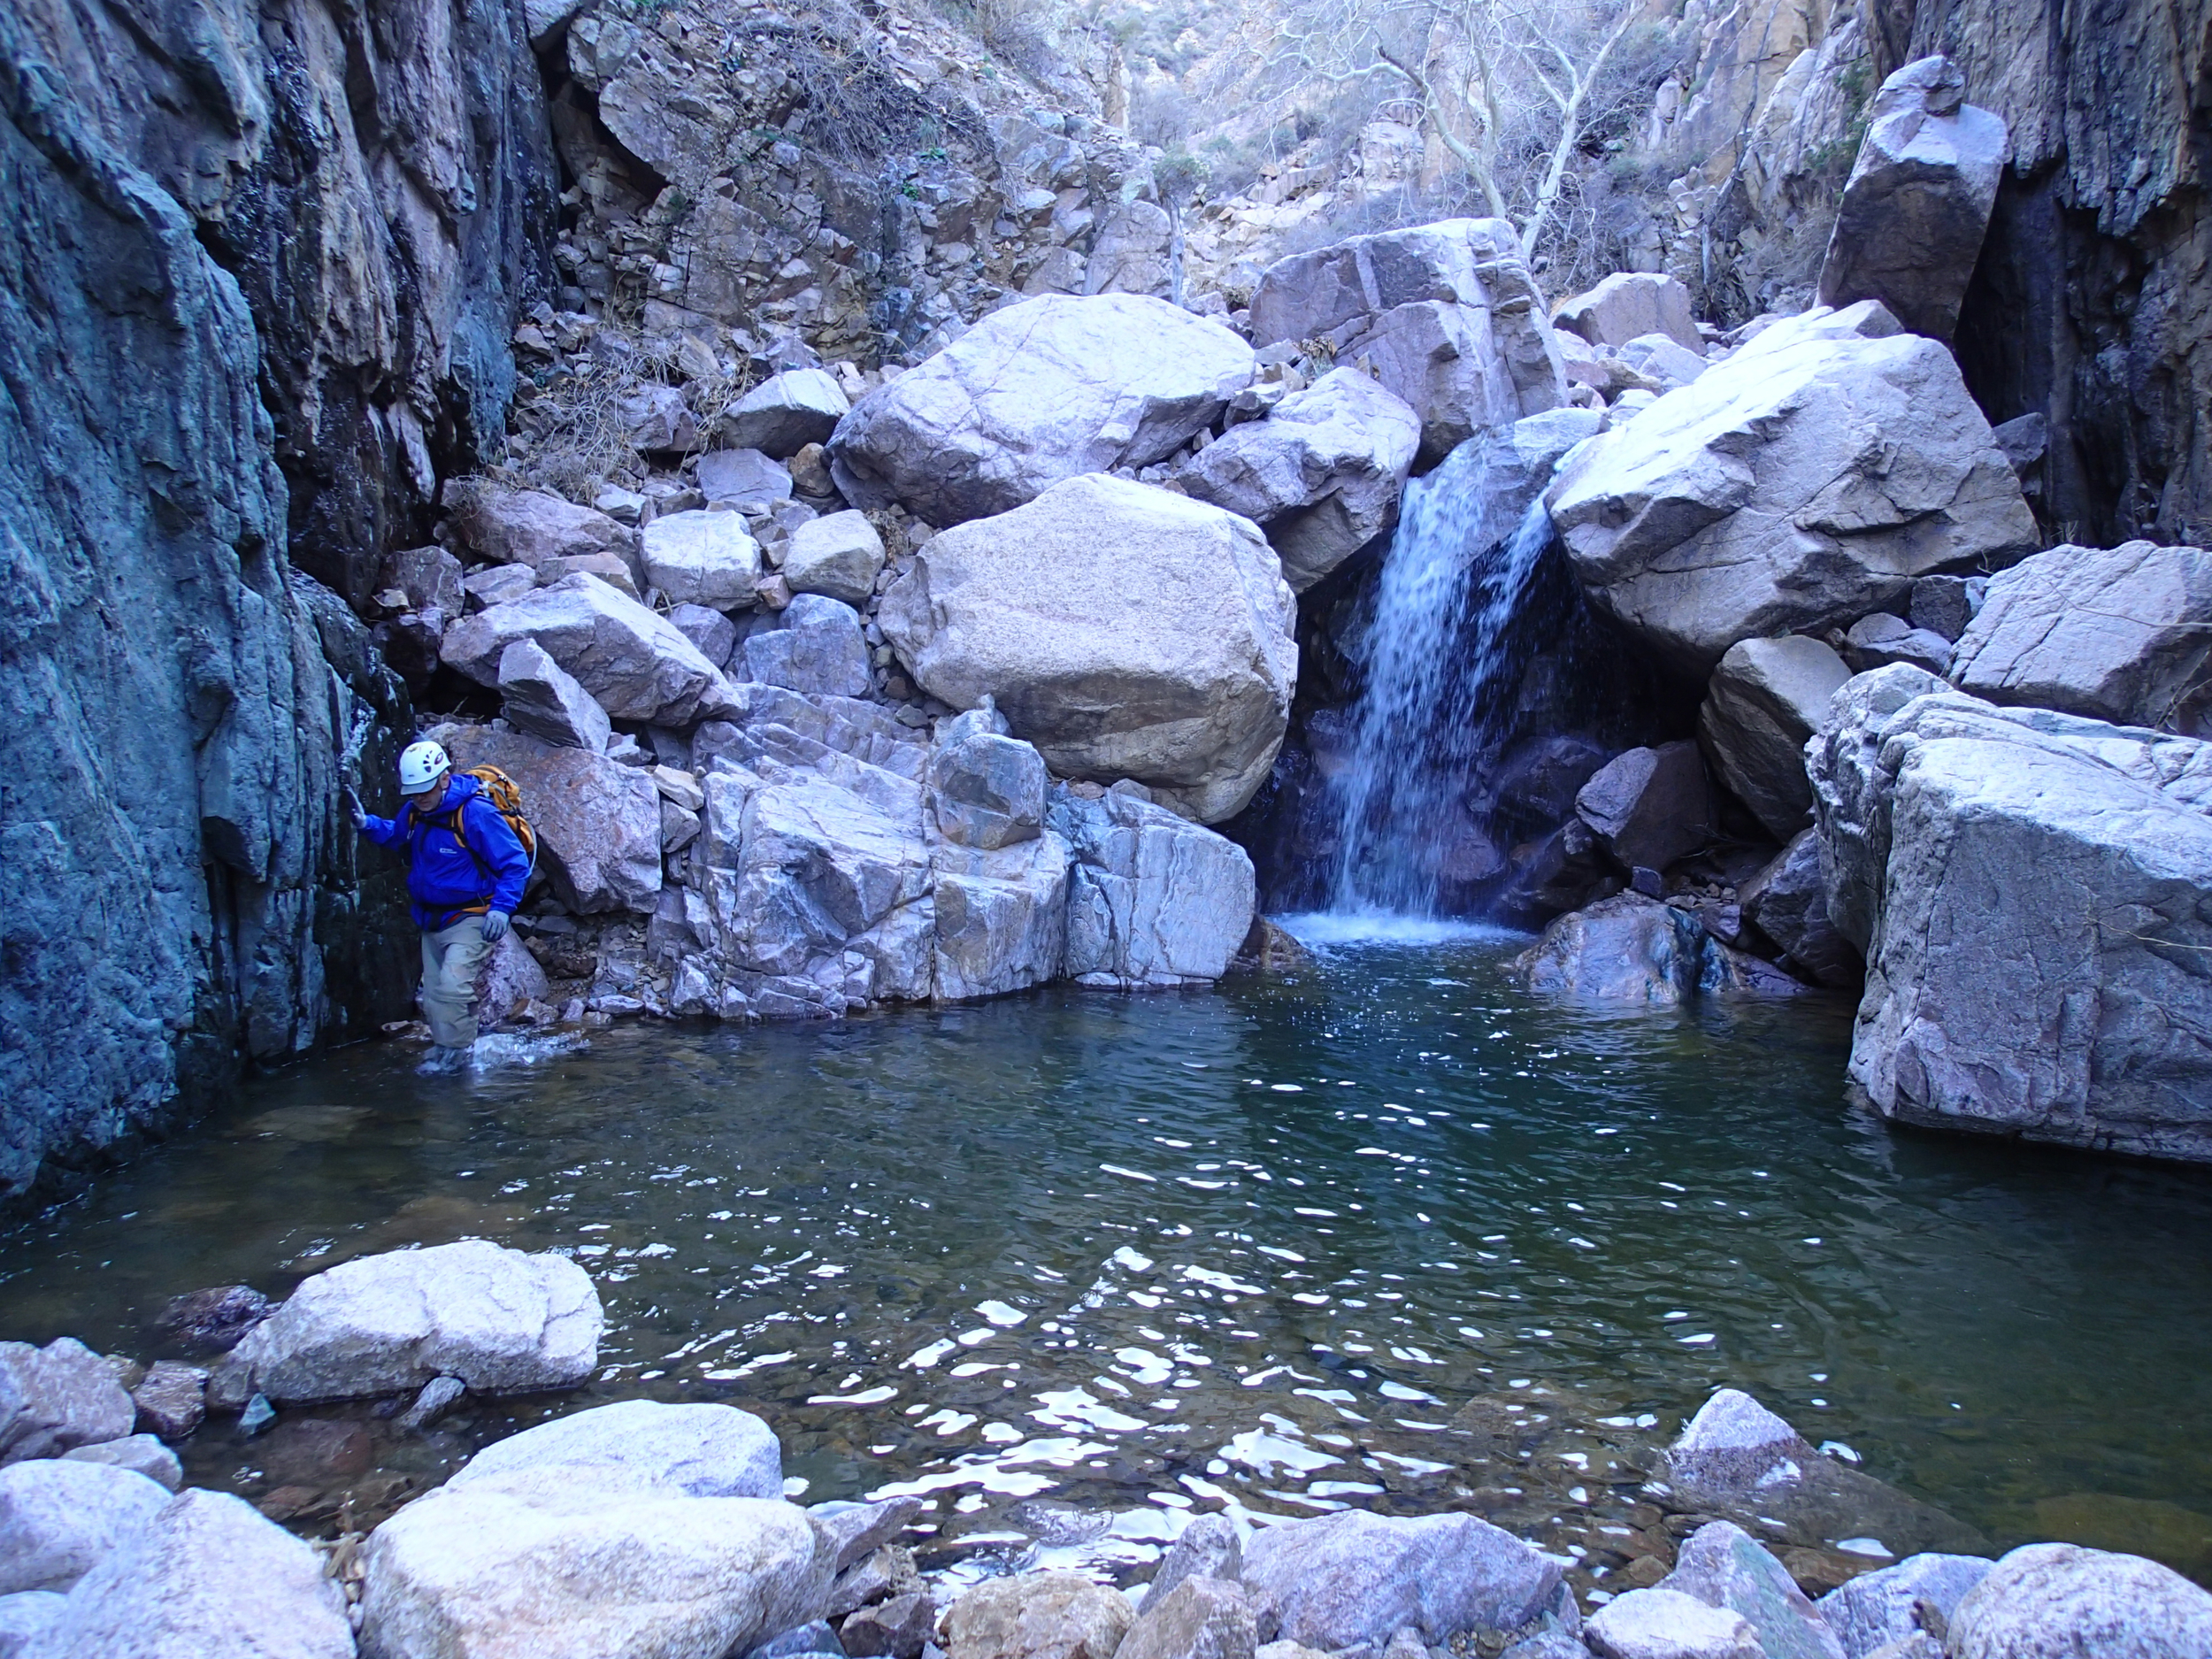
421	766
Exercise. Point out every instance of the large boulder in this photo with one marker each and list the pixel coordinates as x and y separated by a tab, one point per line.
528	527
786	412
1737	1459
1038	1615
1629	305
551	1563
1909	227
2060	1601
58	1396
2117	633
1877	1608
1127	631
1766	698
539	697
1799	484
701	558
1042	391
636	663
1650	806
1630	948
598	821
743	481
1446	315
205	1575
1154	899
703	1451
1321	474
816	647
59	1517
2033	883
1352	1578
499	1320
1788	903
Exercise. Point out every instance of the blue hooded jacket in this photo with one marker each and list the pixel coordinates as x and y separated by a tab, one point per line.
482	869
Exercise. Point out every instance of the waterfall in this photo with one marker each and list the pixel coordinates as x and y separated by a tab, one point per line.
1443	663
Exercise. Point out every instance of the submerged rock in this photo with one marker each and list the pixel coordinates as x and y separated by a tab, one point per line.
209	1321
1038	393
1127	631
1343	1580
501	1321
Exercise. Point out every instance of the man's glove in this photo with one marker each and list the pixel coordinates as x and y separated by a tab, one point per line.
494	927
354	806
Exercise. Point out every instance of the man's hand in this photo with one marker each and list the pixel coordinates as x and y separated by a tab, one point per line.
494	927
354	806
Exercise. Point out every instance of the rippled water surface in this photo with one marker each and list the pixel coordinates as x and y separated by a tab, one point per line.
1255	1244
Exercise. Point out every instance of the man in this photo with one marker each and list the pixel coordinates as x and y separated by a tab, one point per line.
465	877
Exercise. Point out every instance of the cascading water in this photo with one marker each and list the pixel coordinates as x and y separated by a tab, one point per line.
1442	661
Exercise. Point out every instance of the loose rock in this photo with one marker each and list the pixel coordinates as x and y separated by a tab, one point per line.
1038	1615
1209	1547
528	527
701	558
786	412
1200	1618
1788	903
839	554
1723	1566
1629	305
172	1399
744	480
540	698
899	1627
1766	698
1650	806
1153	900
817	647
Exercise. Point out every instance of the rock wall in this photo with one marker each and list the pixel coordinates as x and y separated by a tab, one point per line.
380	182
176	888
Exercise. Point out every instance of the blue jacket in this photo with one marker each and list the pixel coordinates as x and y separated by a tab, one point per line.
481	869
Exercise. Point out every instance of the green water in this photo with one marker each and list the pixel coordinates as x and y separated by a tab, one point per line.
1251	1245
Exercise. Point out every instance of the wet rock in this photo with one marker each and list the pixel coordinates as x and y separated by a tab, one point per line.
1632	948
855	1530
1877	641
839	554
509	980
1200	1618
59	1517
701	558
598	821
58	1396
1125	631
528	527
439	1396
141	1454
1627	305
1763	499
539	1562
2057	1600
1650	806
1037	393
1154	899
985	790
1877	1608
702	1451
1737	1459
205	1575
1038	1615
744	480
1724	1566
899	1627
1268	949
540	698
1766	698
1321	475
1556	872
889	1571
714	634
785	414
2008	865
2116	634
1788	903
172	1399
1916	206
500	1320
817	648
1350	1578
634	662
1661	1623
209	1321
1445	316
1209	1547
1539	779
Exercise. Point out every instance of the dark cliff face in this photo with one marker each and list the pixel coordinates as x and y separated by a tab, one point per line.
175	887
2093	302
379	180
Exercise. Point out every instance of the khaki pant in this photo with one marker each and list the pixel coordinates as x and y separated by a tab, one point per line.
450	960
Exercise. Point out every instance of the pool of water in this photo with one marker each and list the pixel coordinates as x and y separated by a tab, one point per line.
1252	1245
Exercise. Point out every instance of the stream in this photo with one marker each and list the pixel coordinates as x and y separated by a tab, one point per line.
1253	1244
